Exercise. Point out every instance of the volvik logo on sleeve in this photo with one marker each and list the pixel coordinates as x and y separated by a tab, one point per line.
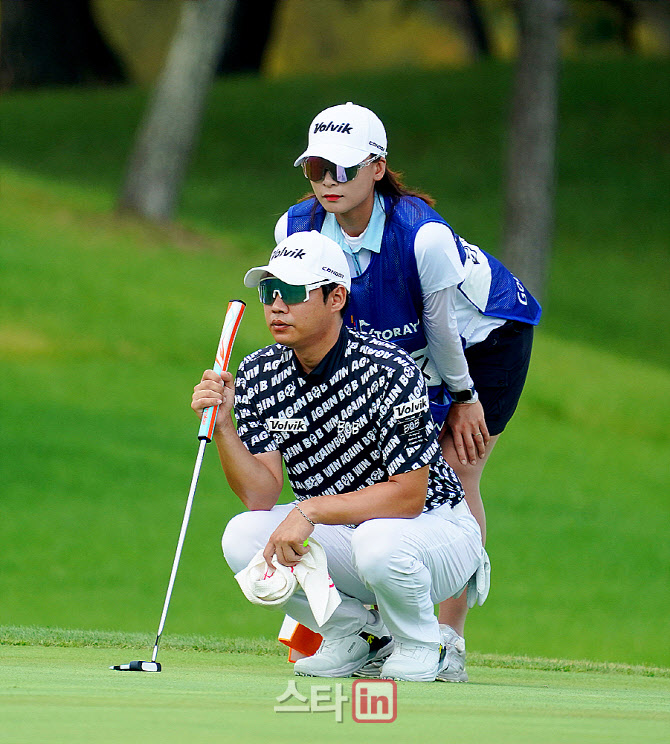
286	424
406	410
344	128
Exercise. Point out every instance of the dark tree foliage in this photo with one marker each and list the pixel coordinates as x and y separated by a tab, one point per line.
248	36
475	23
53	43
615	20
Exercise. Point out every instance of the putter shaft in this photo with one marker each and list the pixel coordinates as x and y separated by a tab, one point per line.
180	543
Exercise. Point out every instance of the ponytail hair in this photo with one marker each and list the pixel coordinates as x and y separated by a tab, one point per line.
391	185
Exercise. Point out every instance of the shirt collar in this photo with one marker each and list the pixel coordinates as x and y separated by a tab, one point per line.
325	369
372	236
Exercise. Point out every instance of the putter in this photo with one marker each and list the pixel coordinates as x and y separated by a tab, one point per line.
230	325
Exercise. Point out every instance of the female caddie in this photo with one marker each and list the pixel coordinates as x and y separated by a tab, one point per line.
464	318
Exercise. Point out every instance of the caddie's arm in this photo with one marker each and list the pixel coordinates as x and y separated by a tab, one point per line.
465	420
256	479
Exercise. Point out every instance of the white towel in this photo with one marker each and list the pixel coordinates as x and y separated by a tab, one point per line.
263	587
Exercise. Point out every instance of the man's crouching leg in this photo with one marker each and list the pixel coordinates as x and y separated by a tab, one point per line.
410	565
353	635
248	532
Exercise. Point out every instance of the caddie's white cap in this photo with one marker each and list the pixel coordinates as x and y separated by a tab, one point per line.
304	258
345	135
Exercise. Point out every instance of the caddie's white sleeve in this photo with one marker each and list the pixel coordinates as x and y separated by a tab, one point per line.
281	228
444	342
437	258
440	273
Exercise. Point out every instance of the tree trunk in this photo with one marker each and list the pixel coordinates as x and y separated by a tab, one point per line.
171	124
529	190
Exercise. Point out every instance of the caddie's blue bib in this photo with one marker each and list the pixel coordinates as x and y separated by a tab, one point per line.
386	298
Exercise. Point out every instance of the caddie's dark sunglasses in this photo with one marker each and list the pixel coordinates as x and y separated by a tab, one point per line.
315	169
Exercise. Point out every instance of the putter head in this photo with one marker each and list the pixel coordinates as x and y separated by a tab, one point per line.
138	666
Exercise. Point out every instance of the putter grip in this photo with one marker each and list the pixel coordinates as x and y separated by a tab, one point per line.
231	323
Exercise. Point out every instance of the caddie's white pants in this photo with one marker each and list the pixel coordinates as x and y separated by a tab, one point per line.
404	566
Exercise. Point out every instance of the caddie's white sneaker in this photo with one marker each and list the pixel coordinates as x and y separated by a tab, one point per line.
413	662
341	657
453	667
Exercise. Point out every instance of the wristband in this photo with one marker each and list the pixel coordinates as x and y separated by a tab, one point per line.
304	515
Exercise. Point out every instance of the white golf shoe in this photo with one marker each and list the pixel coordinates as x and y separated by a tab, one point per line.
413	662
453	666
341	657
371	670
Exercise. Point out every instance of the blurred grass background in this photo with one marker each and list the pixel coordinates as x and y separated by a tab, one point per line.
106	324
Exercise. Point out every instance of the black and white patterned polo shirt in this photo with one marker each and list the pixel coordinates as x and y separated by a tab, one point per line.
360	417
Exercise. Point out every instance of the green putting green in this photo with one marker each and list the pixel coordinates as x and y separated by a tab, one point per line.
56	694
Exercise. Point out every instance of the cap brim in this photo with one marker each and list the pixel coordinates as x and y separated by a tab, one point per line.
253	277
338	154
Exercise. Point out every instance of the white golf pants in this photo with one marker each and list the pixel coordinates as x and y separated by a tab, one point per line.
404	566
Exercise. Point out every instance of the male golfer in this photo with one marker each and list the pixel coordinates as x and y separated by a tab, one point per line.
348	415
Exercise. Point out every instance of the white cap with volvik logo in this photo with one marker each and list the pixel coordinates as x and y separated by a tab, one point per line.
346	135
304	258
